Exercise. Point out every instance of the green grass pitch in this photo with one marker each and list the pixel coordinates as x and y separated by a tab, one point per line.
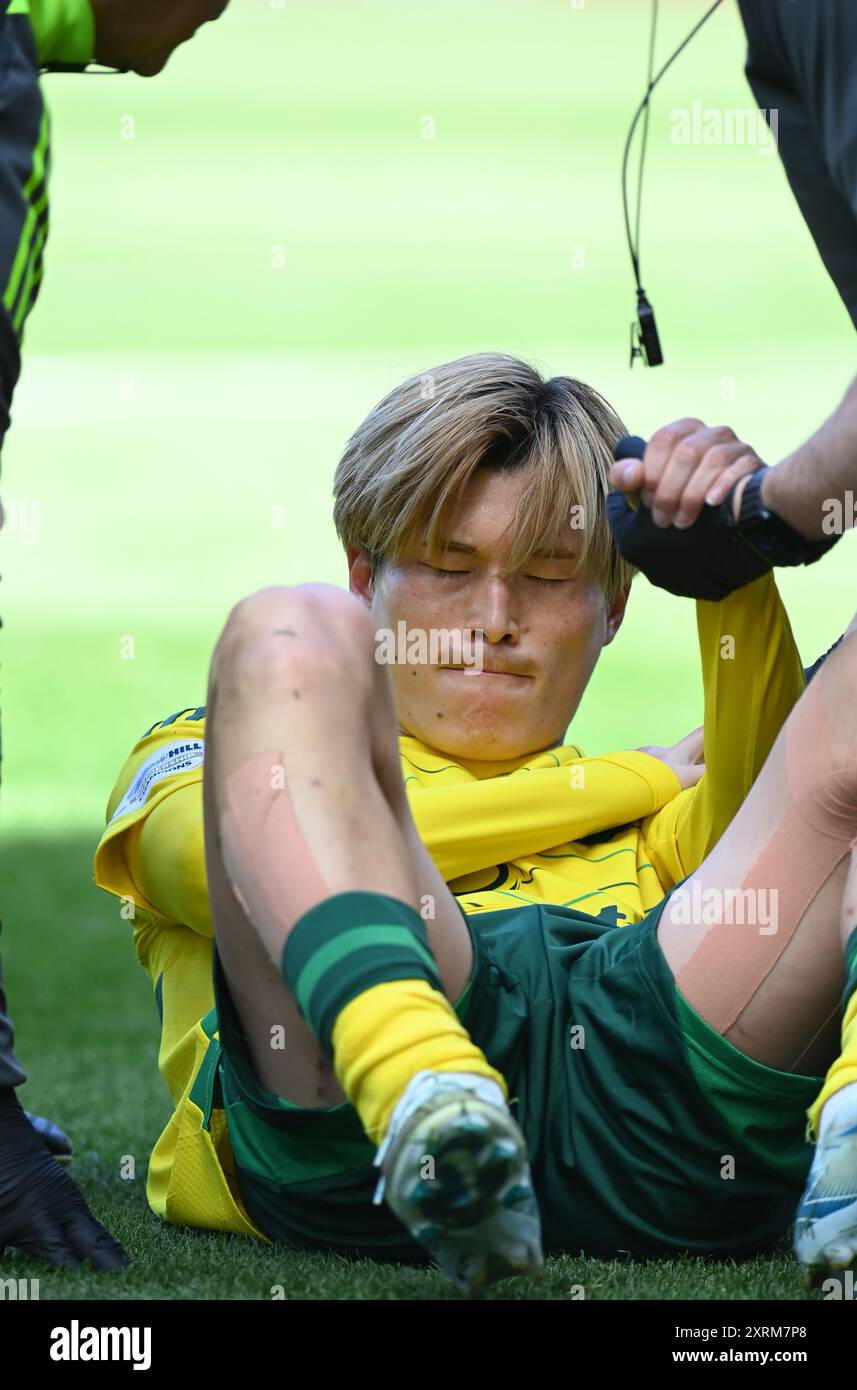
245	254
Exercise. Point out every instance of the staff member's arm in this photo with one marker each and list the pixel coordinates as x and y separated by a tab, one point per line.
814	489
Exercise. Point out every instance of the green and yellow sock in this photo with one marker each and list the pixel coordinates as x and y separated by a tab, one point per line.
843	1071
361	970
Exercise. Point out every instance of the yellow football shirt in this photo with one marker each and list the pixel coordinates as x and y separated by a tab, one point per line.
608	835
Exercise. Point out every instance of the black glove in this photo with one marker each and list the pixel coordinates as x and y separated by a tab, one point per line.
42	1210
704	560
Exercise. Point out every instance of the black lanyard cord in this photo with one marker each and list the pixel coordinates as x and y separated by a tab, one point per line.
634	244
644	340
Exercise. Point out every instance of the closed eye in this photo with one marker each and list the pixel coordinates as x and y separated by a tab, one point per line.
535	578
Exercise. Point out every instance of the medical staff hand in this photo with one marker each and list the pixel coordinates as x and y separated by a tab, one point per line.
686	464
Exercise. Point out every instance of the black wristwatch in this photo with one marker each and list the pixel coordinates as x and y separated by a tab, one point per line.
765	532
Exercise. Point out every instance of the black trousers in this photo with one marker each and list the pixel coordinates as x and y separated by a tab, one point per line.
802	64
24	167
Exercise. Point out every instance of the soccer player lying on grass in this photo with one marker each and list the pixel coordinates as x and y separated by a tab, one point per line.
399	957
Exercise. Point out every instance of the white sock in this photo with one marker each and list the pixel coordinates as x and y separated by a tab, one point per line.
845	1099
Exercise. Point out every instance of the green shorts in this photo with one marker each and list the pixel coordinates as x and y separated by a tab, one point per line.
648	1132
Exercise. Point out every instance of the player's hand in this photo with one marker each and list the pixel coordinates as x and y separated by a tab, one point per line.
42	1210
685	757
686	464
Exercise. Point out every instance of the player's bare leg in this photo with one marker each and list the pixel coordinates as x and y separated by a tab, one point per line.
306	695
773	987
303	800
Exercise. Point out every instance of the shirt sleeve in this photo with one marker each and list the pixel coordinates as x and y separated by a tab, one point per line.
470	826
152	852
752	676
64	30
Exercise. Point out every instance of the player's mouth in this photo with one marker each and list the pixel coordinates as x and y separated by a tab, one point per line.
495	672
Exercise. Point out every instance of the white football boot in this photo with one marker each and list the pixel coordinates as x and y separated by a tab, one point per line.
825	1238
455	1171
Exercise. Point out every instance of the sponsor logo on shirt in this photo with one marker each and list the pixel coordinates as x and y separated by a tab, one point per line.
183	755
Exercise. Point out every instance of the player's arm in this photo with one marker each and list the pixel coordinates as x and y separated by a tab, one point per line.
752	676
152	851
752	673
151	857
470	826
151	854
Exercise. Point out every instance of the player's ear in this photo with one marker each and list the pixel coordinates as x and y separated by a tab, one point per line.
616	613
360	575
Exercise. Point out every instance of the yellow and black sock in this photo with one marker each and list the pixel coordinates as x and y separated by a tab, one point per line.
362	972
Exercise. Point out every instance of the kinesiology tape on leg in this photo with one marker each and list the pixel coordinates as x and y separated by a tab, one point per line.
359	953
814	834
271	869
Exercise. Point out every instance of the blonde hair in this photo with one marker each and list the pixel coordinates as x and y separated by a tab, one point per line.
407	464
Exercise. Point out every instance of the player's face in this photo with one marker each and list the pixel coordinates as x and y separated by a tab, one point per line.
543	630
143	36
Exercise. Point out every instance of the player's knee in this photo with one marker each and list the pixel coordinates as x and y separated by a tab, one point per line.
315	634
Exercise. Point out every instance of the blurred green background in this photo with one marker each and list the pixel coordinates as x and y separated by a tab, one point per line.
246	253
179	389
